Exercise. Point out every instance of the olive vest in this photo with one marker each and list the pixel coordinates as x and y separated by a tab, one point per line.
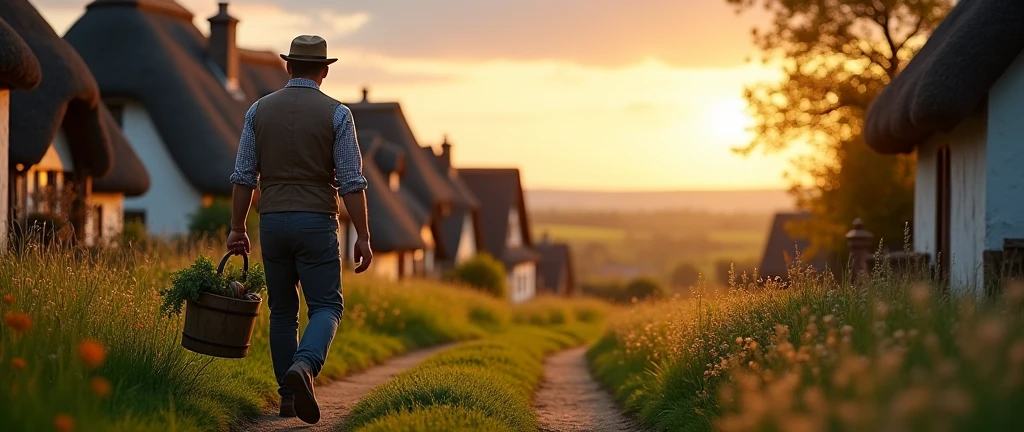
294	130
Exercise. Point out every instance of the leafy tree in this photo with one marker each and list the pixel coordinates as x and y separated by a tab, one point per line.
685	275
836	56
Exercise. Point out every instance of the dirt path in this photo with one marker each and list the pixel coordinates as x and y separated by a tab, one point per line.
337	398
570	400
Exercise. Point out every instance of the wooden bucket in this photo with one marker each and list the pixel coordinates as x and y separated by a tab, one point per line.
220	326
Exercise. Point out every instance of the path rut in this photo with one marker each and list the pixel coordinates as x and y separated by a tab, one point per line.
338	397
570	400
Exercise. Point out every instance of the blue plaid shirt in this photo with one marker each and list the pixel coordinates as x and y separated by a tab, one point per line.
348	162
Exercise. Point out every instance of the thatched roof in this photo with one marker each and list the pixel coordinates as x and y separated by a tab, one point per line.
149	51
66	99
387	119
781	245
950	77
464	204
555	263
128	175
19	68
498	190
392	226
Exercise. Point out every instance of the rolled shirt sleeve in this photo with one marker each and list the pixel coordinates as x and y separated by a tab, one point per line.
246	171
348	161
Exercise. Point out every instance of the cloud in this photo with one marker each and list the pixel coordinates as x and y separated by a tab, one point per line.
690	33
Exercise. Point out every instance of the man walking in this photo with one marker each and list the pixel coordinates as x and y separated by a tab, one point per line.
299	147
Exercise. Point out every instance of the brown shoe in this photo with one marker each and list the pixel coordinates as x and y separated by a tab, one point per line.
287	407
299	379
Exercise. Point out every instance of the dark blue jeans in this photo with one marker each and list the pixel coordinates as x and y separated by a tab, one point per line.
301	248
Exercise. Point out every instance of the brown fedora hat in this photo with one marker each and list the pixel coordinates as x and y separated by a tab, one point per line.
307	48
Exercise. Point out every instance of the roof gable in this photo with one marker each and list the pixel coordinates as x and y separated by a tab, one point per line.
950	77
392	225
498	191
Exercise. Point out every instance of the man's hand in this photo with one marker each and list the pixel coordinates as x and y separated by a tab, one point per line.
363	255
238	242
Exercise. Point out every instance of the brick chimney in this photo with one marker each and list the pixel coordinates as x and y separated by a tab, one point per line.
446	155
222	47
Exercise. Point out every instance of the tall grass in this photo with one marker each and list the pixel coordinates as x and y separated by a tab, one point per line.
890	353
83	344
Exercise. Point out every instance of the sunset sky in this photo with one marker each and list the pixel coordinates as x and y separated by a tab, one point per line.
580	94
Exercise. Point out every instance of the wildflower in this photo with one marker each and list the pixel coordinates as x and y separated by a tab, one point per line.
18	322
18	363
919	294
63	423
101	386
9	299
91	353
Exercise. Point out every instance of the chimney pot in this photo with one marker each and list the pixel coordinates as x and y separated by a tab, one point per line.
446	154
222	47
366	94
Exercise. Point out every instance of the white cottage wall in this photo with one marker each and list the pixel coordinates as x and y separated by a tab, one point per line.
1004	216
967	203
925	202
171	197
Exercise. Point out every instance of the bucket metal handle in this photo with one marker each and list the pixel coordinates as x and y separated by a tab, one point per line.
245	265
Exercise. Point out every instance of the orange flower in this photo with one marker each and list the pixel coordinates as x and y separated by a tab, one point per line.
9	299
101	386
18	322
18	363
63	423
91	353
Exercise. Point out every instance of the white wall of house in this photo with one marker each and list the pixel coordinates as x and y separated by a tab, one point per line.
107	214
424	259
171	198
515	229
467	241
1004	181
385	265
522	282
967	145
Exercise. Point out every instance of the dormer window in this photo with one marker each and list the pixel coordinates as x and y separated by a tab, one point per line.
394	181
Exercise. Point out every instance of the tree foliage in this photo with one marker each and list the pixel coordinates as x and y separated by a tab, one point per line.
836	56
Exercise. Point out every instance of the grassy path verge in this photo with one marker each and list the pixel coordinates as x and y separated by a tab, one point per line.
485	385
570	400
337	397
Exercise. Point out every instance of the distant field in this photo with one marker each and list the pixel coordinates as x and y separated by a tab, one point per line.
580	233
609	246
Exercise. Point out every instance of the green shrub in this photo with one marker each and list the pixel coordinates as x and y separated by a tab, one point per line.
211	220
484	273
636	290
